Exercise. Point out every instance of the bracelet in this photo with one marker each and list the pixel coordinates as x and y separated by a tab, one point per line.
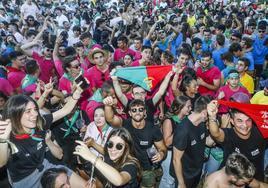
95	162
4	140
75	98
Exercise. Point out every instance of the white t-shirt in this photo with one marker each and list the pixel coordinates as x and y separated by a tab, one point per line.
93	132
27	10
61	19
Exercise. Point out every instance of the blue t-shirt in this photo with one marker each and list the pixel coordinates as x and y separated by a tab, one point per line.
259	49
216	55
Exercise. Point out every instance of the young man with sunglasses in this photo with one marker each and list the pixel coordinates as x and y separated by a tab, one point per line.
260	49
145	136
139	93
44	60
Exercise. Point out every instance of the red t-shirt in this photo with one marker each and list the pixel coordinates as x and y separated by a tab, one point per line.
96	77
119	54
46	67
15	76
208	76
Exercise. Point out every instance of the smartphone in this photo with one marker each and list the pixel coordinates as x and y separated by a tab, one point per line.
81	78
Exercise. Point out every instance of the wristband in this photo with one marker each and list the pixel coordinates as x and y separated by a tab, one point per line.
95	162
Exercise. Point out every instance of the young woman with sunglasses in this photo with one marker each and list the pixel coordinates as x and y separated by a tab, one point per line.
24	141
119	167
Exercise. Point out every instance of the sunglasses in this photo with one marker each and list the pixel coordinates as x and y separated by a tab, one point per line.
76	66
261	31
118	146
232	38
134	110
49	50
30	20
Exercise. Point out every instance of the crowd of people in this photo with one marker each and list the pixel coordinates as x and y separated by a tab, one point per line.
68	120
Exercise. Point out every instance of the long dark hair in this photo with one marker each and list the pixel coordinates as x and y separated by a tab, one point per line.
128	156
176	106
14	109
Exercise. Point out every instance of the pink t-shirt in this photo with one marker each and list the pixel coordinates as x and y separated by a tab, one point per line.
208	76
65	85
30	88
6	87
135	63
46	67
15	76
58	66
96	77
119	54
228	93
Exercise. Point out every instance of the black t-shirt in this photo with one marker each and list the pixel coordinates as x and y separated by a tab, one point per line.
129	167
30	155
150	109
192	140
253	148
143	139
67	143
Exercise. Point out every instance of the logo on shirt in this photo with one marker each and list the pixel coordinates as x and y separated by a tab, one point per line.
39	145
144	143
255	152
193	142
149	81
202	136
237	150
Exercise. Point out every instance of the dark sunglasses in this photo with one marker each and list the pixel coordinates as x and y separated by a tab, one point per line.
261	31
118	146
232	38
134	110
30	20
76	66
49	50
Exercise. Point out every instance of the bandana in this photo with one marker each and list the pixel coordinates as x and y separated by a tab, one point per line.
28	80
97	96
68	77
71	123
32	135
233	75
207	68
258	113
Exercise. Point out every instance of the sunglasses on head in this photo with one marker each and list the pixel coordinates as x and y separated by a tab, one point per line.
134	110
118	146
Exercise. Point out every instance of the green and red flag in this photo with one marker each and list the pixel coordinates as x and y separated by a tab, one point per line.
258	113
145	76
